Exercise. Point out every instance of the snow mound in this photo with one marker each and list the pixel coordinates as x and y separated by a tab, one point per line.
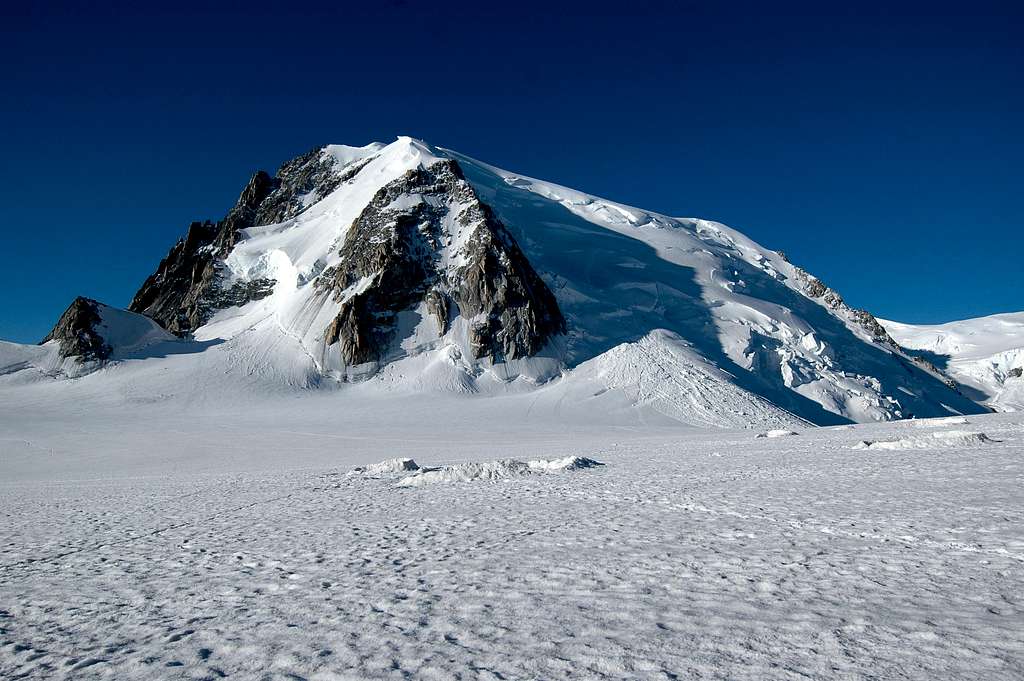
936	423
663	375
493	471
777	433
944	440
568	463
385	467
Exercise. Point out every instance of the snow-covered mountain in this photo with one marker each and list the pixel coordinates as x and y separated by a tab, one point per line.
984	354
410	269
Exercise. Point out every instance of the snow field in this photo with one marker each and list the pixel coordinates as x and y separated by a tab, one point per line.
704	555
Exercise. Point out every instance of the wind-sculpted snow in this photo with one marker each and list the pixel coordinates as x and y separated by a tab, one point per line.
948	439
493	471
386	467
566	463
778	433
940	422
706	555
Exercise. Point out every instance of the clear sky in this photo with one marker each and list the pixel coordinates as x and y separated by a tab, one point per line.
881	145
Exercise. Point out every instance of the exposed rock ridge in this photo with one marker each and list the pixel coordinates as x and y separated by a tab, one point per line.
190	284
428	238
302	182
77	334
815	288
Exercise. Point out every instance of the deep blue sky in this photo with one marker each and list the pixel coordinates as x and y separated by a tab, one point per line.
881	147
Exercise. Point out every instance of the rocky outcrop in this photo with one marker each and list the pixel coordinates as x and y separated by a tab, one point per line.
190	284
937	372
867	321
173	295
815	288
443	247
78	334
302	182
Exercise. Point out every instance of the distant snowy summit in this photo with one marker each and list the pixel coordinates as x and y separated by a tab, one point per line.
985	355
418	269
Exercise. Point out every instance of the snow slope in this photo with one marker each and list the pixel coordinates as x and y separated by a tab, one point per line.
986	353
617	269
689	554
130	335
618	274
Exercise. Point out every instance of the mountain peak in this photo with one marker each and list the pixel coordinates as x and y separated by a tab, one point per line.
410	265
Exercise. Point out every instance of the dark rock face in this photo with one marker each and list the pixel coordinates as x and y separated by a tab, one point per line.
310	174
1016	372
357	330
77	332
402	251
188	285
439	306
871	325
939	373
174	295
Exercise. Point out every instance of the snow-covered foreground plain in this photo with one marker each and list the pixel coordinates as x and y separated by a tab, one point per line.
689	554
